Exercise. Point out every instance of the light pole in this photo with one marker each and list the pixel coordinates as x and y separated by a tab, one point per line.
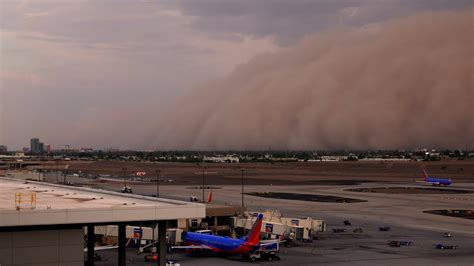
242	174
124	169
57	172
158	182
203	185
203	173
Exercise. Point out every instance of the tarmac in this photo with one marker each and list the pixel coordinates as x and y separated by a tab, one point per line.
402	212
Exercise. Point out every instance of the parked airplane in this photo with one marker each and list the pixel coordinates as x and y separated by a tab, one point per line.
435	181
225	245
209	198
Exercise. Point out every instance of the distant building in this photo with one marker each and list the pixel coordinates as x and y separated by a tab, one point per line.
25	149
221	159
36	146
47	148
3	149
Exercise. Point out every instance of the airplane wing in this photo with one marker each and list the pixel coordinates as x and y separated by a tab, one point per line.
268	244
428	182
102	248
192	247
265	243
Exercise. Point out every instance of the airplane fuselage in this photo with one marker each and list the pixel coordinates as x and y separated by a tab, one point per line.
219	244
438	181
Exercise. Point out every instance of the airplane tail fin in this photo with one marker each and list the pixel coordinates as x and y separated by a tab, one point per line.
425	174
253	237
209	198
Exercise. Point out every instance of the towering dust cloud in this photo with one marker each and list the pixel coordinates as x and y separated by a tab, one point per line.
407	84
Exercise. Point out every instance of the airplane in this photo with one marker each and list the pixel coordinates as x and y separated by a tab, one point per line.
209	198
226	245
435	181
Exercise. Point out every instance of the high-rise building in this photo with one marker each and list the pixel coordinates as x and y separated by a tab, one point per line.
41	147
36	146
3	149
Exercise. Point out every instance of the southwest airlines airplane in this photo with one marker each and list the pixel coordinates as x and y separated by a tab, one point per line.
435	181
225	245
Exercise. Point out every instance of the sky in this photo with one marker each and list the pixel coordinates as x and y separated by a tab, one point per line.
104	73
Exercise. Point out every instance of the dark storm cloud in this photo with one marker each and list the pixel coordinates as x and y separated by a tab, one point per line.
288	21
78	64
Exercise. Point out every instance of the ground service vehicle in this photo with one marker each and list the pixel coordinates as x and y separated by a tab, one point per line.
406	243
265	252
384	228
347	223
441	246
396	243
393	243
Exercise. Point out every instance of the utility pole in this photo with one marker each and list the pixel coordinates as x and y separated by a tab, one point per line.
203	185
203	173
242	173
158	182
57	172
124	169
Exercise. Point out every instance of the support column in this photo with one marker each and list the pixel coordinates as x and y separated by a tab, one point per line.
122	240
162	243
90	245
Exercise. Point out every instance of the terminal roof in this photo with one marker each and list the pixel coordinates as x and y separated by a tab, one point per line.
59	204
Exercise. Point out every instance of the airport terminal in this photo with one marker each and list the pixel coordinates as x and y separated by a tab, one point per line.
44	224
